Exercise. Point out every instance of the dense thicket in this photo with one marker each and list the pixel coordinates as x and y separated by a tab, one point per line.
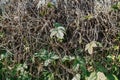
29	52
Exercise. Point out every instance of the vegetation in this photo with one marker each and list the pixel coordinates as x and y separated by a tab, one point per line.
59	40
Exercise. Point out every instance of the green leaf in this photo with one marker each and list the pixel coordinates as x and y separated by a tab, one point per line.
1	34
99	44
116	47
100	67
51	76
115	77
111	76
93	76
3	54
88	17
68	58
111	57
76	67
118	5
50	5
55	57
118	58
56	24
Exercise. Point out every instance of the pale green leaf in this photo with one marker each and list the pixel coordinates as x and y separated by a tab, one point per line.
92	76
55	57
118	58
71	58
101	76
53	33
89	47
61	28
90	50
76	67
51	76
47	62
77	77
118	5
67	58
115	78
60	34
93	44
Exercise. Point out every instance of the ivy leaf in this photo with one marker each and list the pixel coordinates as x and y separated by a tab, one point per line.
58	32
92	76
89	47
53	33
68	58
77	77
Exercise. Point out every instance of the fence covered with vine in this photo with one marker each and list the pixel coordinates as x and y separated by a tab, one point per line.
60	40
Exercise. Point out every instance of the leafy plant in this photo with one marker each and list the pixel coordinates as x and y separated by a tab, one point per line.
58	31
47	57
116	6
